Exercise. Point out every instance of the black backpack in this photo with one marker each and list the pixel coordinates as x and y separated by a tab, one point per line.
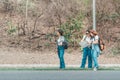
65	44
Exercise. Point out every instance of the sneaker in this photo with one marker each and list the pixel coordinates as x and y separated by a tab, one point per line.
82	67
95	69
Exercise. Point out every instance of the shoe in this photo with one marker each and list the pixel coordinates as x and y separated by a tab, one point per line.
82	68
62	68
95	69
90	68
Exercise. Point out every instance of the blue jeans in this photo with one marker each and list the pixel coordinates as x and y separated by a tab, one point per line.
61	56
95	58
86	53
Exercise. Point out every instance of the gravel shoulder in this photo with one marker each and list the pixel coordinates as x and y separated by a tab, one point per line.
20	56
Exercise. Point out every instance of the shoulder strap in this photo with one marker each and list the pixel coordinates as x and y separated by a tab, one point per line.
85	37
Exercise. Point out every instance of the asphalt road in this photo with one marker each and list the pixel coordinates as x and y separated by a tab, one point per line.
59	75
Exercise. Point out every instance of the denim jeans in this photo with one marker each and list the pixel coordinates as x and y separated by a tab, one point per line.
95	53
95	58
61	56
86	53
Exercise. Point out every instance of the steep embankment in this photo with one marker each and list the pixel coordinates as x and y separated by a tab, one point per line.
33	26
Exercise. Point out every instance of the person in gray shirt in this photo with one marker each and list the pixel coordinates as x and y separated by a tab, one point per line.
60	48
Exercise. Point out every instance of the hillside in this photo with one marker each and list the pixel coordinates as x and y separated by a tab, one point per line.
31	24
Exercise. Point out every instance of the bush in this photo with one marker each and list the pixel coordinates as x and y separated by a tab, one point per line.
12	28
72	29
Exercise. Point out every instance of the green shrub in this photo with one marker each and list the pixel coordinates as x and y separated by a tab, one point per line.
12	29
72	29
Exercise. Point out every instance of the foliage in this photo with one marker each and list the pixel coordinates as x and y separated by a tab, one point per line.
116	51
69	15
72	29
12	29
86	2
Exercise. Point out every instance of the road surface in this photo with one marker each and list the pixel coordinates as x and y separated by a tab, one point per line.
59	75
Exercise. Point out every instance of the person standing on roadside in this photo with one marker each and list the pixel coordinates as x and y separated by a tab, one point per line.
86	50
60	48
95	48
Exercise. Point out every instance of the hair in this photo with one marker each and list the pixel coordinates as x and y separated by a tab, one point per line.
60	31
94	32
88	31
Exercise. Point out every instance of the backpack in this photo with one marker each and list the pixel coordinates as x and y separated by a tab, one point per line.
65	44
101	44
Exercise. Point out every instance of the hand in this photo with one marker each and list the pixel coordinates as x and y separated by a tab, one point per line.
61	43
89	42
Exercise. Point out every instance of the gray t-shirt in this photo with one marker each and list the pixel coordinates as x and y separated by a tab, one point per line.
60	40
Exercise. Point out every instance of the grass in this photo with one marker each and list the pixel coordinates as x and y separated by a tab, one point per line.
57	69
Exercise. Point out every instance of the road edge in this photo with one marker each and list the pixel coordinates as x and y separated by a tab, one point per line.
48	65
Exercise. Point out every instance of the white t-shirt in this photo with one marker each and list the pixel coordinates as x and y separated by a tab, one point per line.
88	39
95	38
60	40
85	41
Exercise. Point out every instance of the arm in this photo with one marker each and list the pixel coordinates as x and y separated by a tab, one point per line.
83	38
96	40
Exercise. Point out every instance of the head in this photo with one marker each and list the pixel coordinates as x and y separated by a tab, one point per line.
87	32
93	33
60	32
